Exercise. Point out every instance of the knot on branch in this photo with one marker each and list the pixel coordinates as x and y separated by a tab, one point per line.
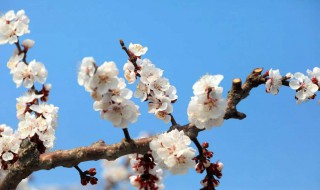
28	155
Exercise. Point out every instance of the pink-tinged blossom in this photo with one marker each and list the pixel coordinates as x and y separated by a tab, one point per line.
137	49
304	86
171	151
274	82
28	43
207	108
28	74
13	25
86	72
315	75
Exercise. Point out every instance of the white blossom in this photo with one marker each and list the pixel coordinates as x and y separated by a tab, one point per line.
32	125
315	75
121	92
149	73
28	74
105	78
207	108
171	150
115	171
142	91
161	109
304	87
9	143
86	72
137	49
121	114
274	82
129	72
48	111
289	75
159	86
13	25
205	83
14	60
24	101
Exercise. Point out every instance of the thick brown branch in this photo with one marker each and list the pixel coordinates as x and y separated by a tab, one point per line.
70	158
239	92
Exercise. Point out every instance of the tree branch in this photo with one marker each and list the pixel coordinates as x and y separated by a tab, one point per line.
239	92
30	160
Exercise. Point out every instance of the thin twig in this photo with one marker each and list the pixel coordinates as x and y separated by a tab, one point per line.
126	134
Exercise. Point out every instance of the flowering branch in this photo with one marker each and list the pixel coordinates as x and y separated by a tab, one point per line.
99	150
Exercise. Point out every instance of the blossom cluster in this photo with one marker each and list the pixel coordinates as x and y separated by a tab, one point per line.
213	169
147	174
9	146
305	86
13	25
37	119
111	96
152	86
88	177
207	108
172	151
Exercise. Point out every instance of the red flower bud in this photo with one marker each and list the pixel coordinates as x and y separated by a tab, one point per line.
205	145
93	180
92	171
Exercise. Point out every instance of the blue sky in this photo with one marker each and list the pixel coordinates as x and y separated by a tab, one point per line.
275	147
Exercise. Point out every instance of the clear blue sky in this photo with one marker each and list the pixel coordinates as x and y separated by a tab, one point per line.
275	147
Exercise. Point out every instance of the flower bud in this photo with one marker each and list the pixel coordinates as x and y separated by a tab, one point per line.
205	145
27	43
219	165
92	171
93	180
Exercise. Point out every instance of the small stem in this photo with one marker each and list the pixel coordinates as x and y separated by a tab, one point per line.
79	170
173	121
24	59
132	57
18	46
126	134
198	145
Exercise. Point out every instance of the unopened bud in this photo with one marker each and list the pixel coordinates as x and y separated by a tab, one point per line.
205	145
219	165
47	87
206	163
92	171
27	43
289	75
93	180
